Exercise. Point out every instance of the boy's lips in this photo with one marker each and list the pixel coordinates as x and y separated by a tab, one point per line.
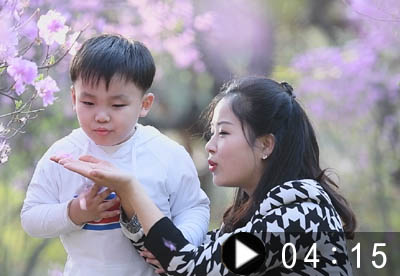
212	165
102	131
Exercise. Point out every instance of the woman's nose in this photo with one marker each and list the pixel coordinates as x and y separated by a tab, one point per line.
210	146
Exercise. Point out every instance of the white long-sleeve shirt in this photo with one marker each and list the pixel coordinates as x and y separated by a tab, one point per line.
166	172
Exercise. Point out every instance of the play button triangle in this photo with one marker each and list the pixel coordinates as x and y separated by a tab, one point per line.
244	254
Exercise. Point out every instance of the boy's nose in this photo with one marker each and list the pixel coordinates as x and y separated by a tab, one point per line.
102	117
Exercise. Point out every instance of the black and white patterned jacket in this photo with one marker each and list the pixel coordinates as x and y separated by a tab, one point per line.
299	212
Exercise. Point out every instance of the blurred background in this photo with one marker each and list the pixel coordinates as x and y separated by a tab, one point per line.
341	56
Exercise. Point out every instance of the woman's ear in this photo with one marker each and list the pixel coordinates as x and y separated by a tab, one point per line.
267	145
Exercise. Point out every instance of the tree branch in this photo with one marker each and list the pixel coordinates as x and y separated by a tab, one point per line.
66	52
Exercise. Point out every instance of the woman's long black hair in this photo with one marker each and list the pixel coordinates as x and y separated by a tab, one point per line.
263	107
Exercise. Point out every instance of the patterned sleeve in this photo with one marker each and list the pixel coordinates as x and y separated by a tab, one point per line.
178	257
212	235
301	222
132	230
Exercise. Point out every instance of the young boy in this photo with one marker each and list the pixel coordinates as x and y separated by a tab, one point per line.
110	76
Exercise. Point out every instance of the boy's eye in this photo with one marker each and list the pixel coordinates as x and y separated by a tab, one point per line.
119	105
222	132
87	103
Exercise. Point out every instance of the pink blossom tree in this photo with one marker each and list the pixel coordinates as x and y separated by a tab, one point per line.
350	85
26	34
35	42
353	91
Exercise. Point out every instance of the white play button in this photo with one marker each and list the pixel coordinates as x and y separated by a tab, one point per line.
244	254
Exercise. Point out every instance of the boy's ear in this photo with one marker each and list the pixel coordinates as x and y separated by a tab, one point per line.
73	95
147	102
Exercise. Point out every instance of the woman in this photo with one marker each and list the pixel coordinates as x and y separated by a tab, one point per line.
262	143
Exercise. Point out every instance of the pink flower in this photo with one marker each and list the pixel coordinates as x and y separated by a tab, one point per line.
72	44
52	27
204	22
23	71
9	39
46	88
29	29
4	152
182	49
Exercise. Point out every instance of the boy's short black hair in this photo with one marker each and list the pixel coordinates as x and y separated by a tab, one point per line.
106	55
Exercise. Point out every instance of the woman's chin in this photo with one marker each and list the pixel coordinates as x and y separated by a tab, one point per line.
220	183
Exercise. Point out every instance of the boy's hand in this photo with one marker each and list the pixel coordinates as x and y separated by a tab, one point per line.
101	172
91	206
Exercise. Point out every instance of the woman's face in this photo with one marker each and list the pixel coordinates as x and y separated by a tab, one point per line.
232	161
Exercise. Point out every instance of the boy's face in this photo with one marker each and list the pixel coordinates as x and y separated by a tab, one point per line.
108	116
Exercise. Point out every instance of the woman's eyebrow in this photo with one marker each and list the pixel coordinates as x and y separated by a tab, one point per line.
224	122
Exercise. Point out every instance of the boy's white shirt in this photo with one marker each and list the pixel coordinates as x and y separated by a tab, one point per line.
166	172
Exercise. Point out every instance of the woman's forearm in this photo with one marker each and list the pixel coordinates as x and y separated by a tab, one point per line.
134	200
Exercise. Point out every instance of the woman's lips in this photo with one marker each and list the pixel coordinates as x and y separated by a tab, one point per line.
212	165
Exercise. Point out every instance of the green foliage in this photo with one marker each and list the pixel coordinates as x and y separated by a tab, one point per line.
18	104
15	246
40	77
51	60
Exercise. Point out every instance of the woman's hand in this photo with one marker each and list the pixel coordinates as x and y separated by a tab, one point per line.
99	171
149	257
134	199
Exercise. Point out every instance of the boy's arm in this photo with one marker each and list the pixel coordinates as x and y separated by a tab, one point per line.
190	206
43	215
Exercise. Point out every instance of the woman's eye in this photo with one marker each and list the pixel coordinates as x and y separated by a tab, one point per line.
222	132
